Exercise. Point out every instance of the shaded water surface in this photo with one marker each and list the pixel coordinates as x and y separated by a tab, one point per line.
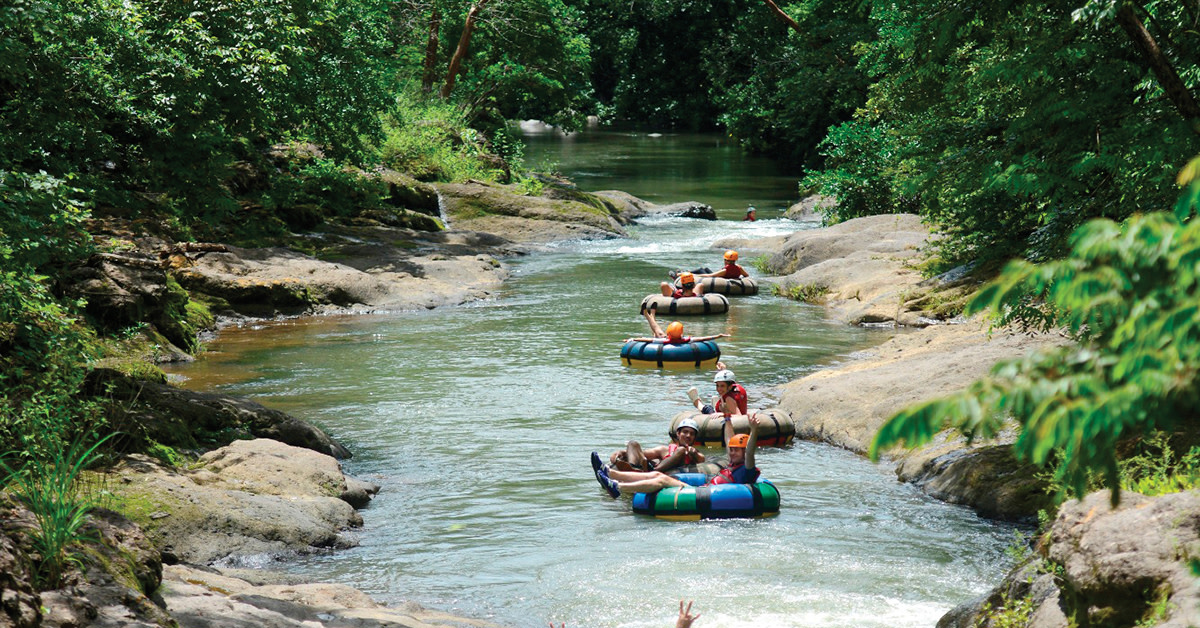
478	421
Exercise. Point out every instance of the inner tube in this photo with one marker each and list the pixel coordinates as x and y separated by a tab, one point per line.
702	354
742	286
775	427
687	306
701	501
708	468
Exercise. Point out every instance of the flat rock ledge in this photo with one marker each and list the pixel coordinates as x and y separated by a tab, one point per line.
1106	566
845	405
207	598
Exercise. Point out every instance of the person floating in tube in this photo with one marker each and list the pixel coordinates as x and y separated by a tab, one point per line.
750	214
731	269
673	334
664	457
687	287
730	398
742	469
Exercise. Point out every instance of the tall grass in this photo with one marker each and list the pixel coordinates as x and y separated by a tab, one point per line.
50	489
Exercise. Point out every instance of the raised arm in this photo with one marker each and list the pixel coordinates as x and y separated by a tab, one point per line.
654	328
751	444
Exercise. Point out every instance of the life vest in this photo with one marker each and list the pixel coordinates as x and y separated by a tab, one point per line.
736	475
678	294
687	458
738	394
733	271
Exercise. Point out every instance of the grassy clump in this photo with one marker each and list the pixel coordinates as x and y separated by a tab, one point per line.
808	292
50	489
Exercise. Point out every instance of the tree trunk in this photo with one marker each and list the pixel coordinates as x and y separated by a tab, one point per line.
431	49
787	19
1168	78
464	44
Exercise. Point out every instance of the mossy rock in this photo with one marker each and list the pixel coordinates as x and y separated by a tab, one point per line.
409	193
396	218
476	200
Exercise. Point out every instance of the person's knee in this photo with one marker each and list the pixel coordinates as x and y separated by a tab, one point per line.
666	289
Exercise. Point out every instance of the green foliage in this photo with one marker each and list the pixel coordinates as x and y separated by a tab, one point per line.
432	141
165	454
41	221
1156	470
808	292
1160	606
1008	125
762	264
1010	613
860	171
50	489
1128	293
138	97
531	186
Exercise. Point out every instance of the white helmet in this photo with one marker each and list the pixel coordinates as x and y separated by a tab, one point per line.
687	423
723	376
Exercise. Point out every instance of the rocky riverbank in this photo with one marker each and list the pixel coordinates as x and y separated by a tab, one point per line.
1097	565
863	271
269	485
283	491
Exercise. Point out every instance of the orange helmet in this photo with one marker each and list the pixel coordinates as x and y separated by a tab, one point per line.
675	330
731	256
739	440
687	278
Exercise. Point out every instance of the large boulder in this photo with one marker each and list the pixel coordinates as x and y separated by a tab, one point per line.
191	420
687	209
409	193
810	208
20	604
250	498
131	288
863	267
1105	567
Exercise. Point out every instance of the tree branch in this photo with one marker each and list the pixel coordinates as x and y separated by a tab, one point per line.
1168	78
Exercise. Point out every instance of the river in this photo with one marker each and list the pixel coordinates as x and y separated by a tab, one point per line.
478	421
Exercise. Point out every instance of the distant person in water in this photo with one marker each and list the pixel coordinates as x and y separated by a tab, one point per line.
687	287
750	214
731	269
741	470
664	457
673	334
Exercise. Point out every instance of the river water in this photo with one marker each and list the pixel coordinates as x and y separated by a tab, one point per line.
478	421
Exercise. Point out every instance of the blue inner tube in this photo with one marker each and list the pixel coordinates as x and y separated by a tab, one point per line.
701	501
660	354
